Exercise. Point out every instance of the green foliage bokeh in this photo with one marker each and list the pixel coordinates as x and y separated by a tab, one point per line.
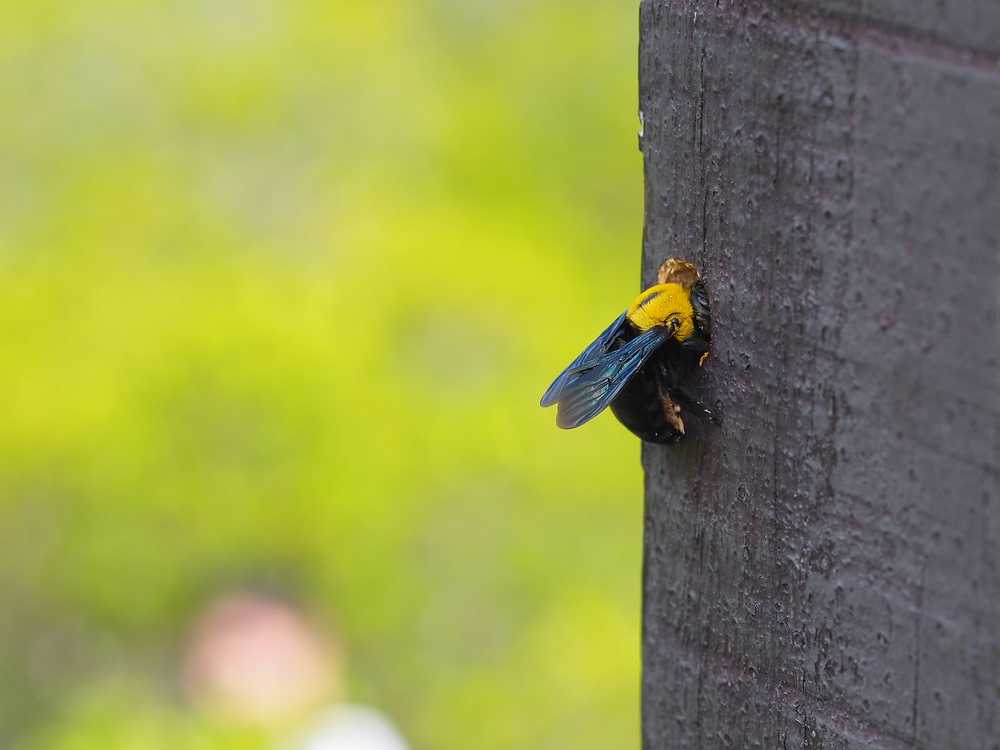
282	283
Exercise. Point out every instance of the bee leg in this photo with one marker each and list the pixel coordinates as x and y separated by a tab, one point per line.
694	405
665	380
695	346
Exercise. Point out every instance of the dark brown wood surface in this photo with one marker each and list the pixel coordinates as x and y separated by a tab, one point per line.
823	571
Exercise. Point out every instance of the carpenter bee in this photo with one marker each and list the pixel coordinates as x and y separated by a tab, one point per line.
638	364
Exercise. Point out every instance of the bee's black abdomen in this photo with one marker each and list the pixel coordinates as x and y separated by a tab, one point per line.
646	410
643	415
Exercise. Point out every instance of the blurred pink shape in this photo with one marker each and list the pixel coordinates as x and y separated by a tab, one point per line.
255	660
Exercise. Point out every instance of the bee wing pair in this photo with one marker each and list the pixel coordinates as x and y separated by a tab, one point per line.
593	380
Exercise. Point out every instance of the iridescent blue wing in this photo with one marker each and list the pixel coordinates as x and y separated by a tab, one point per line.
594	385
595	350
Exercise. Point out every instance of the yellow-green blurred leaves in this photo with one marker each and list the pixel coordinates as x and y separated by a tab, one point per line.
282	284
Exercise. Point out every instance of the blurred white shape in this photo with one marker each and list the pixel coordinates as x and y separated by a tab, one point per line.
350	727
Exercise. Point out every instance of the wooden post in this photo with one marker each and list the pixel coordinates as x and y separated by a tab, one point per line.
823	571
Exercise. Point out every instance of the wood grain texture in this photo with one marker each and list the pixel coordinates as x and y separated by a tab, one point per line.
824	570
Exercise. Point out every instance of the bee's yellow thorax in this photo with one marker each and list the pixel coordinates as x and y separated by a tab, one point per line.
660	303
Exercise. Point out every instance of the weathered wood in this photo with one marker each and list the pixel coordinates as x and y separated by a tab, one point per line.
824	570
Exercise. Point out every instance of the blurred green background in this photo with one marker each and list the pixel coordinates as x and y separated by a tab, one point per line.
282	284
